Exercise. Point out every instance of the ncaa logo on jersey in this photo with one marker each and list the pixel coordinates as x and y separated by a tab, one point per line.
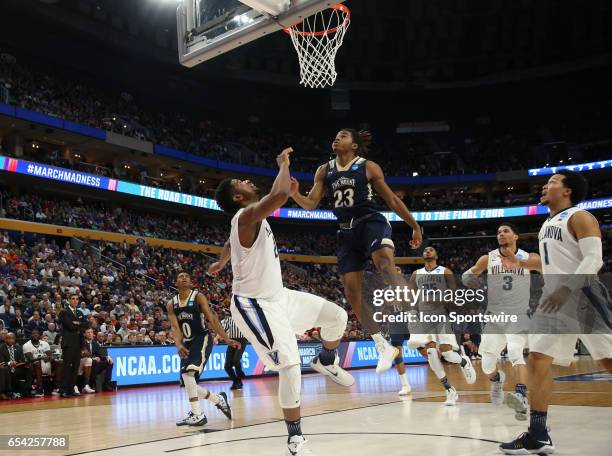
355	167
562	215
274	357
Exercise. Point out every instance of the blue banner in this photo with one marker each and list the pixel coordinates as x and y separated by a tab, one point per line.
156	364
144	191
579	167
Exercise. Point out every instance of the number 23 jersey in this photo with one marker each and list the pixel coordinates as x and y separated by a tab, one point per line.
350	190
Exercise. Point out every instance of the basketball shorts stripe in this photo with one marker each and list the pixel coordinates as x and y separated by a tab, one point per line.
256	320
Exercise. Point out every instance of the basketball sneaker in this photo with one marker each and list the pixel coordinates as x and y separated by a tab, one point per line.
196	420
296	446
224	406
497	389
519	403
468	370
183	422
526	444
451	396
76	391
88	389
386	354
333	371
405	391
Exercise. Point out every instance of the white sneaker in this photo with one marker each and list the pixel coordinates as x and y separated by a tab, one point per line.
55	392
196	420
333	371
497	389
405	391
76	390
386	354
296	446
88	390
183	422
468	370
519	403
451	396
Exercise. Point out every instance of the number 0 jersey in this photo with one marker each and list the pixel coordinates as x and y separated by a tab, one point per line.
256	270
192	322
508	291
351	192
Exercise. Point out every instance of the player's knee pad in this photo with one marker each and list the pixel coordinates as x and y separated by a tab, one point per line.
435	363
515	353
335	325
452	357
488	363
191	387
289	386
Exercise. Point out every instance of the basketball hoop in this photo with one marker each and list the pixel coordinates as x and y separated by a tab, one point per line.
317	40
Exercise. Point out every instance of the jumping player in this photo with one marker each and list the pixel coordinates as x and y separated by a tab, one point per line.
188	312
268	314
364	232
436	336
571	255
508	292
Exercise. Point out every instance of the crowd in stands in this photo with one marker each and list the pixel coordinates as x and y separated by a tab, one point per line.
37	89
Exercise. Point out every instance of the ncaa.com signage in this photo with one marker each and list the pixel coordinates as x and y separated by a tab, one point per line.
156	364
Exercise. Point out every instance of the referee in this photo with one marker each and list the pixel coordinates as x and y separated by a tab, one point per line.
233	356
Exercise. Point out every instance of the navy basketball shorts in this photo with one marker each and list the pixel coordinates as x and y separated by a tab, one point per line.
398	333
199	348
355	246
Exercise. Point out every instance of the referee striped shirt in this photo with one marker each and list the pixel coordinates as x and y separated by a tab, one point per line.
231	329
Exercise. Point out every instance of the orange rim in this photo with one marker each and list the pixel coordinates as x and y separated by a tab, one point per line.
338	6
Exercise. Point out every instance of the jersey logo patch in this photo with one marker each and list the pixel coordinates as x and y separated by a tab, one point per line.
274	357
355	167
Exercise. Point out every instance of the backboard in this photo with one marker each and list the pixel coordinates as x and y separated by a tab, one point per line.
208	28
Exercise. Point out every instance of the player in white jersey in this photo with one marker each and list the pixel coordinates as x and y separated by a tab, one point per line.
431	337
269	315
508	293
571	252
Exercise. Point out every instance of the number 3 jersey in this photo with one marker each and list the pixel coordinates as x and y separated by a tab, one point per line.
192	322
351	192
508	290
256	269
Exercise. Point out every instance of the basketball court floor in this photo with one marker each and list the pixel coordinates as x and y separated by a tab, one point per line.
366	419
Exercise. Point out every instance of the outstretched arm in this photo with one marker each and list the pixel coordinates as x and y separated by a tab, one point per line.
176	331
224	258
279	194
214	321
377	179
316	194
470	277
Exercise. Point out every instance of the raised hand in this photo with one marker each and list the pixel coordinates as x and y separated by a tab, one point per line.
283	157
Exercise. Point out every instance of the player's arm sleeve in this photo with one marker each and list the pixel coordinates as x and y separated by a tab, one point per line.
592	261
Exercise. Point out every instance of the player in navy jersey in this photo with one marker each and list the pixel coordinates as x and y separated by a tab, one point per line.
188	312
364	232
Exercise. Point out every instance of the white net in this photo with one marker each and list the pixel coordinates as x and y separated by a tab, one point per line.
317	40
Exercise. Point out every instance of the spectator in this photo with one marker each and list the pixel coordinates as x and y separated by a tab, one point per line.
35	323
51	333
